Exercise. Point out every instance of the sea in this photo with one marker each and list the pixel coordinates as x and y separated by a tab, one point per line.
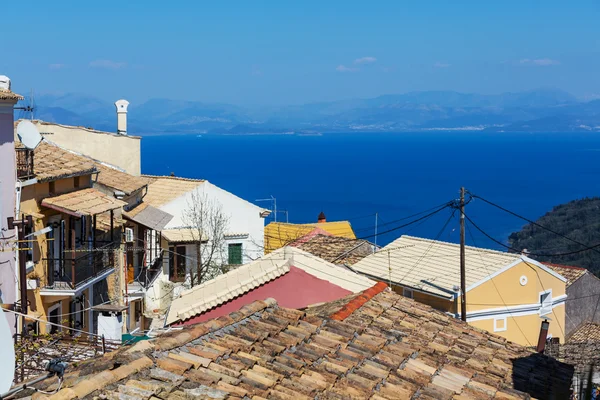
382	181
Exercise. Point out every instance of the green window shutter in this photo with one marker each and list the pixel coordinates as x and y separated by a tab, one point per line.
235	254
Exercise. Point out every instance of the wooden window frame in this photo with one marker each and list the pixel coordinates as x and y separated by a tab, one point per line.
241	255
174	273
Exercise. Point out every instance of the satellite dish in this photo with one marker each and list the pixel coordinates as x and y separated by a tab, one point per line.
7	355
28	134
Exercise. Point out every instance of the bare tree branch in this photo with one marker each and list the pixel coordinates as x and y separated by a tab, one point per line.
208	225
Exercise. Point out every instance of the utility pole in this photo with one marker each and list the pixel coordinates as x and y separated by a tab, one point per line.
463	285
20	225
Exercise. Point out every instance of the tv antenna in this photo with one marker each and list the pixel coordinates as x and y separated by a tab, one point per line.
27	107
28	134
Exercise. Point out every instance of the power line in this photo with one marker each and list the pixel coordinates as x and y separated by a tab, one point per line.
587	247
519	251
495	286
409	223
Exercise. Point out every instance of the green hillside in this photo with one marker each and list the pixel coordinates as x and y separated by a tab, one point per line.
578	220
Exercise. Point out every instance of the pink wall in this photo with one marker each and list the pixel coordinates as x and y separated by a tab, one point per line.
7	204
296	289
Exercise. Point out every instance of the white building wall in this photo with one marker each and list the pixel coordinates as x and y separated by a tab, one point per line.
244	218
244	221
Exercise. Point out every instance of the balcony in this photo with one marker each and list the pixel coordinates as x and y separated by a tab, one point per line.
140	278
76	268
24	163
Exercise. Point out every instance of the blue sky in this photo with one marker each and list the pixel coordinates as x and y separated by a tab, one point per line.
287	52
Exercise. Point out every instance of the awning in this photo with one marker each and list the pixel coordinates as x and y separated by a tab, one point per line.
181	235
150	217
83	202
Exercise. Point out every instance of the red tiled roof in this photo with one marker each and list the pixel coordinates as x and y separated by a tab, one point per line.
571	273
358	302
295	289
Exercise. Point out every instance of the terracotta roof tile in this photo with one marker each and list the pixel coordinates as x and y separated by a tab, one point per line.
266	351
83	202
8	95
337	250
162	190
119	180
51	162
587	332
569	272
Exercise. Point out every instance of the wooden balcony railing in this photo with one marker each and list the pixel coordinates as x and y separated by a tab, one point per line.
24	163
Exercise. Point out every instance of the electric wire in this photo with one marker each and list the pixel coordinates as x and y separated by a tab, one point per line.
495	286
587	247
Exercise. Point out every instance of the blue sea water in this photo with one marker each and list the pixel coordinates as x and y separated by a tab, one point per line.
353	176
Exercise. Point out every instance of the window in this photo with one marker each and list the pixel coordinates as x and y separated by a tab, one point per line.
51	187
235	253
177	263
500	324
79	226
407	293
76	182
546	302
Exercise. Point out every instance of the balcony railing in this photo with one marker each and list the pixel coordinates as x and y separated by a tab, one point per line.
145	276
24	163
76	269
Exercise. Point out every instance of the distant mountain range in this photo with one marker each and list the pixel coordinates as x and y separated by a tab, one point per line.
542	110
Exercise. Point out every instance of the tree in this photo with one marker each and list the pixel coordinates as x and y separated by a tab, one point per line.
208	224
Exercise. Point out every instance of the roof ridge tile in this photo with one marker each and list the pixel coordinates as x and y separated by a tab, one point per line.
358	301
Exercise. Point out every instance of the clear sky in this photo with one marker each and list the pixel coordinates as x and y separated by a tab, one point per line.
286	52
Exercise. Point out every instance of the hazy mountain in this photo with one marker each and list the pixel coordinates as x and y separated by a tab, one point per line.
536	110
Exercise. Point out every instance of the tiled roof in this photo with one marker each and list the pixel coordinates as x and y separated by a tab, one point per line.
247	277
51	162
389	348
8	95
587	332
336	249
569	272
225	287
431	266
181	235
279	234
119	180
83	202
162	190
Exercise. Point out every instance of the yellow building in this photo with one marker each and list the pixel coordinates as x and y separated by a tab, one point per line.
508	294
279	234
74	240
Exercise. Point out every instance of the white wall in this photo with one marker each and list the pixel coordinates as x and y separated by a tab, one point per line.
244	217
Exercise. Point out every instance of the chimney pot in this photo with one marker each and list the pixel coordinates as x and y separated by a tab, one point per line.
121	106
321	218
4	82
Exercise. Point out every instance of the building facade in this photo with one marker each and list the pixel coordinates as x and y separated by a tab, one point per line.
507	294
74	243
8	288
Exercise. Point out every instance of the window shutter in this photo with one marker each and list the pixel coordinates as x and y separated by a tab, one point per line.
235	254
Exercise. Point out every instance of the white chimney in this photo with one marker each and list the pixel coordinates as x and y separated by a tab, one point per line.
4	83
122	116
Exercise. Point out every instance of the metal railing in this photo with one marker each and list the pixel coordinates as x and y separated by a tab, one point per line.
145	276
74	269
24	163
